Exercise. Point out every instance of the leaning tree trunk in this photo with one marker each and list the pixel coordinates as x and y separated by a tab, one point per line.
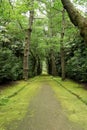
76	18
27	44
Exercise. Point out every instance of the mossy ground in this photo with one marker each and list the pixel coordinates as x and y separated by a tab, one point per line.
76	110
16	107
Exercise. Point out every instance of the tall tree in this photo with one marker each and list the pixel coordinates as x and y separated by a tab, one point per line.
27	44
76	18
52	32
62	45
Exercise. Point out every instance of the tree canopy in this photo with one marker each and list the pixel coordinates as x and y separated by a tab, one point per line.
38	31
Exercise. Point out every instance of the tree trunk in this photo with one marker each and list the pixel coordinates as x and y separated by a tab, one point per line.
62	63
76	18
36	67
54	71
62	46
27	44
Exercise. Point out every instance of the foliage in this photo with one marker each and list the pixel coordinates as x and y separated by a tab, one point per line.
75	58
10	66
45	40
76	64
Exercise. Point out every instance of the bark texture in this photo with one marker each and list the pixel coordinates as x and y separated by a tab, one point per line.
27	44
62	45
54	71
76	18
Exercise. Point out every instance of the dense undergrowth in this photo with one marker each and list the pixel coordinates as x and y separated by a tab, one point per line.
75	60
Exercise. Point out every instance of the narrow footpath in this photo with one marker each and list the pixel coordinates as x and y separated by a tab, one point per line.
46	113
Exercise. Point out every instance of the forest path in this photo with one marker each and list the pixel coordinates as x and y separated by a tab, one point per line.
45	113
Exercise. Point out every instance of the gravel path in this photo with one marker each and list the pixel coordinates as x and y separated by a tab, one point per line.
45	113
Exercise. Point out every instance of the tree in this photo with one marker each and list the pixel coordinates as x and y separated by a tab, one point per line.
62	45
27	44
51	35
76	18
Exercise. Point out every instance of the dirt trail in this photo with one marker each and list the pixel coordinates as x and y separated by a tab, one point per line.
45	113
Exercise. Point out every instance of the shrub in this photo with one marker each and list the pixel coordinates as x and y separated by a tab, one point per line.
10	66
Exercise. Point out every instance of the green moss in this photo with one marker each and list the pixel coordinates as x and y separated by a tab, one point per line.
76	110
16	108
3	101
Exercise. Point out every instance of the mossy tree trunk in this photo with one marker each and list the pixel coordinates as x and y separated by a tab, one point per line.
52	34
76	18
62	45
27	44
54	71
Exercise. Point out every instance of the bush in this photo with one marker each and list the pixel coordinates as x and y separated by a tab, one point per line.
10	66
75	60
77	66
